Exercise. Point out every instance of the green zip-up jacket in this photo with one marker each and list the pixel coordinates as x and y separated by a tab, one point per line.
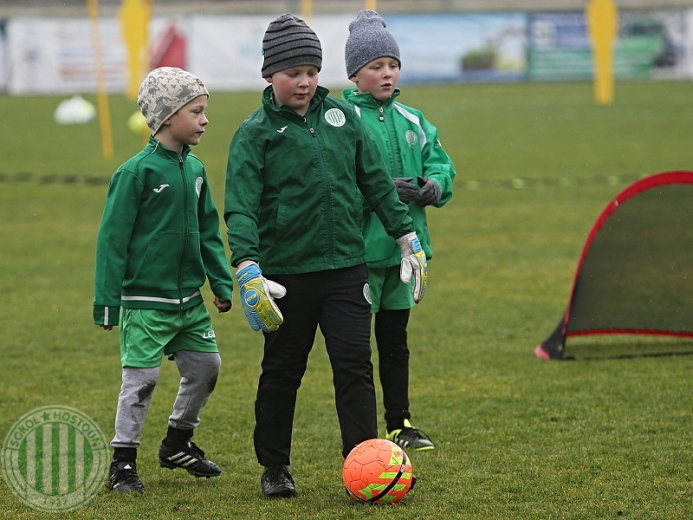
295	187
159	238
411	148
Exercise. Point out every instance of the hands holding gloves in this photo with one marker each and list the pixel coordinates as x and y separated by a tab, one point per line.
425	194
429	193
405	189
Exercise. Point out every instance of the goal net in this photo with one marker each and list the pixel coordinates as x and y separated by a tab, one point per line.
635	273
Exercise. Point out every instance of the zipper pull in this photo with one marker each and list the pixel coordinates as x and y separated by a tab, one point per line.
310	128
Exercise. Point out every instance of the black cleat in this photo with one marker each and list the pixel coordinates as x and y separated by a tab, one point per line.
122	477
410	438
189	457
277	482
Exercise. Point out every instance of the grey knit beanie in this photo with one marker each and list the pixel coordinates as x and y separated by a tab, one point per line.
164	92
289	42
368	40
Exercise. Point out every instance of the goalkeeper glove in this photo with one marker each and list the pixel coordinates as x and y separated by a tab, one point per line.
414	265
257	298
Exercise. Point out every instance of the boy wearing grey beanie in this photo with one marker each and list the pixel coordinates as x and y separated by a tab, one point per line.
422	174
158	244
299	168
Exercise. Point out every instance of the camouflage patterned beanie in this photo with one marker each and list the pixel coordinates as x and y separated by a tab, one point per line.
164	92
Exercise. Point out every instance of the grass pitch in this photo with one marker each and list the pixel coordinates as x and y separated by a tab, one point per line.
516	437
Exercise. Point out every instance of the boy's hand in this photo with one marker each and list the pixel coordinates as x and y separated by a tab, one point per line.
413	264
405	189
257	298
429	192
222	306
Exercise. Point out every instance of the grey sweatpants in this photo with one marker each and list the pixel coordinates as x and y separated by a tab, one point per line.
198	372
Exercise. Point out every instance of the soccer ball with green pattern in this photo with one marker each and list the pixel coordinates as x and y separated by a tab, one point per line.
377	471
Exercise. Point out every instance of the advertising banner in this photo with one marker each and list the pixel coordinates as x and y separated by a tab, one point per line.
460	46
227	51
649	45
56	55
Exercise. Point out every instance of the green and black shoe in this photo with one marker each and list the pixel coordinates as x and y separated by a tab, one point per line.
410	438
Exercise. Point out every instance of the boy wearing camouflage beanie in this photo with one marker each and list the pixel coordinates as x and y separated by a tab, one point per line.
158	243
298	170
423	175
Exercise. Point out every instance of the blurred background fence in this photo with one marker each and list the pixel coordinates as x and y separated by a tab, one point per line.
48	47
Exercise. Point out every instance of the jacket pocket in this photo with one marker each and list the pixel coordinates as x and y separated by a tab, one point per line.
193	269
155	262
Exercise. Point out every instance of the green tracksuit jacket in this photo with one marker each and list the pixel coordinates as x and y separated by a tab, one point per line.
159	238
295	188
411	148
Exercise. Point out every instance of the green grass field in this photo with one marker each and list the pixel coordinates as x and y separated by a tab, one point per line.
517	437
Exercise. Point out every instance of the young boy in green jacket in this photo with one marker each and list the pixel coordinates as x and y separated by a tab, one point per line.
422	173
158	243
299	168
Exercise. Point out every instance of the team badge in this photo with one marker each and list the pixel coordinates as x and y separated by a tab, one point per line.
335	117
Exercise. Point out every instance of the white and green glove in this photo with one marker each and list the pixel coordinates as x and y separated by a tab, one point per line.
414	265
257	298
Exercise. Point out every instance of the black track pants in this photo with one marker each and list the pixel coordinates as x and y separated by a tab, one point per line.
334	301
393	367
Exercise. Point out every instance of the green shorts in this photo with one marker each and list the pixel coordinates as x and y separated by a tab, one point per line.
387	290
146	335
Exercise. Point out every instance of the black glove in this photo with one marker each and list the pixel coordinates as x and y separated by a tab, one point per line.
429	193
405	189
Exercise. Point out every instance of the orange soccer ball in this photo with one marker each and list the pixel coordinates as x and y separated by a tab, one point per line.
377	471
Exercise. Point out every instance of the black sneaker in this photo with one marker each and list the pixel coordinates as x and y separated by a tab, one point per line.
122	477
410	438
189	457
277	482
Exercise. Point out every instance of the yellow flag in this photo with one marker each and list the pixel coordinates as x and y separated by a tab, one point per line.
134	18
602	21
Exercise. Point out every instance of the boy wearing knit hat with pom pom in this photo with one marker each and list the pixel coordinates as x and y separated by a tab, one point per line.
299	169
423	174
158	243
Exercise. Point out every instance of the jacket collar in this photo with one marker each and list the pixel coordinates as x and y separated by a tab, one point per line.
269	104
154	146
366	100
